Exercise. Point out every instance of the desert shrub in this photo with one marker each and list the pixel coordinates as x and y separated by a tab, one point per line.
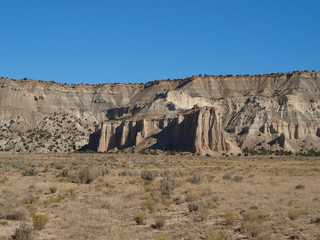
39	221
32	171
253	229
219	235
149	204
300	187
160	222
211	203
167	183
140	219
227	176
133	173
23	232
196	178
178	200
31	208
191	197
9	213
230	219
237	178
53	189
105	171
32	199
254	216
4	180
58	165
148	175
165	201
265	237
71	192
293	214
193	207
182	173
123	173
65	173
88	175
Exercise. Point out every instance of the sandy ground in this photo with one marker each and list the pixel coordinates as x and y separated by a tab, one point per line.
212	198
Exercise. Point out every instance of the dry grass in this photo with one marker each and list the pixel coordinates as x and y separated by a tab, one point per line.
130	196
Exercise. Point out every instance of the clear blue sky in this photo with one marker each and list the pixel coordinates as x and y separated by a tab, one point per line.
104	41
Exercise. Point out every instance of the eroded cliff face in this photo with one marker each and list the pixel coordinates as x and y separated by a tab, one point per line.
278	111
198	130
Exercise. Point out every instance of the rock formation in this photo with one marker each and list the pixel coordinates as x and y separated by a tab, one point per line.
208	114
198	130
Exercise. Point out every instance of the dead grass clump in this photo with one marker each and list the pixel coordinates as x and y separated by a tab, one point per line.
23	232
140	219
4	180
293	214
39	221
3	222
160	222
191	197
202	215
253	229
211	203
32	200
12	214
253	220
219	235
230	219
31	208
149	204
254	216
53	189
165	201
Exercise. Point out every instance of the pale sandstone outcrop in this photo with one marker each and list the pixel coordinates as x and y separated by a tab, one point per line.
198	130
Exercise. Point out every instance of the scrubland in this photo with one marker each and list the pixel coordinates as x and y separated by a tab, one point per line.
143	196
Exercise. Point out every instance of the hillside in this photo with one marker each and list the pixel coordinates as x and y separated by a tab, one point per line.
267	112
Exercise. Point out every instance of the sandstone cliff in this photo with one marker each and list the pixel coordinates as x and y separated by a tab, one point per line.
278	111
198	130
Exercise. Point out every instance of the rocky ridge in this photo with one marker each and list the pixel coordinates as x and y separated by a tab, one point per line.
199	114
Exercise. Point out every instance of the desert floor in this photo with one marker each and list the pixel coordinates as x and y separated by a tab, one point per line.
144	196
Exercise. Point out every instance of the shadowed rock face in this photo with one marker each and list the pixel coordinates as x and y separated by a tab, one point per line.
197	130
278	111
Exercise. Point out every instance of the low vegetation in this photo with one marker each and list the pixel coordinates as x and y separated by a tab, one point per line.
158	196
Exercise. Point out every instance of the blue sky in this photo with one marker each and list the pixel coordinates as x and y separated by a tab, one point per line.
102	41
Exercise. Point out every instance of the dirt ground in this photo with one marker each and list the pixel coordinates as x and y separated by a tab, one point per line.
144	196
